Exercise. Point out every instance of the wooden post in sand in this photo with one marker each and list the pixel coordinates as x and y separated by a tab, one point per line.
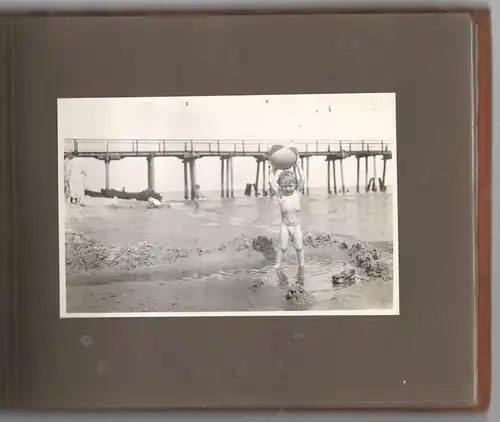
375	180
222	177
186	181
107	161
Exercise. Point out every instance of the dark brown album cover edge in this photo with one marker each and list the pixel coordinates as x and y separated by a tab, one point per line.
483	118
284	11
475	13
7	271
484	145
482	87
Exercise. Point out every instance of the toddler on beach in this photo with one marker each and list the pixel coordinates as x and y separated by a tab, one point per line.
287	188
197	196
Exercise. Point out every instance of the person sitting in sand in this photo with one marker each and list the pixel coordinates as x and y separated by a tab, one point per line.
153	202
287	188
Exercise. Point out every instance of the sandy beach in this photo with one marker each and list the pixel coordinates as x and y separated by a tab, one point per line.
123	257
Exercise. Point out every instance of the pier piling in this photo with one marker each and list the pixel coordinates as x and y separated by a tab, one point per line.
375	173
307	175
151	172
383	172
231	170
186	181
328	165
303	171
334	177
342	174
227	176
222	177
107	162
257	178
192	169
357	174
366	174
264	190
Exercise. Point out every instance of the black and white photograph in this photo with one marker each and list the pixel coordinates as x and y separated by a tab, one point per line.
236	205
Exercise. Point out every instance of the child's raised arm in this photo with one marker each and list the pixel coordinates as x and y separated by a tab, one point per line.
272	180
300	173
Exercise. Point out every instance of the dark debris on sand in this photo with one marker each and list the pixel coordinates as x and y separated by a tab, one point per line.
347	274
256	284
297	294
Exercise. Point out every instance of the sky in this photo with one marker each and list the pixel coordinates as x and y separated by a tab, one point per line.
267	118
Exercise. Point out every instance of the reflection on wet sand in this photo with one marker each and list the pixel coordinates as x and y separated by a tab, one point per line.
221	258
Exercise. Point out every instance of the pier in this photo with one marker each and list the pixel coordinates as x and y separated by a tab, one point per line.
189	151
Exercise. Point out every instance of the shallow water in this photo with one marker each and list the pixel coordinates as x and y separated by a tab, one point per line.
318	274
227	283
363	216
255	289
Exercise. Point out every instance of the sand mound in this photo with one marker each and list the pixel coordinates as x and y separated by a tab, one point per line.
262	244
85	253
375	262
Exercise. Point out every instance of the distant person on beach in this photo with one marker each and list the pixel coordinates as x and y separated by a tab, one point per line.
287	188
153	203
74	177
67	193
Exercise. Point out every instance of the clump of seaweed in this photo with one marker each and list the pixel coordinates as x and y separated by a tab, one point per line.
373	261
320	239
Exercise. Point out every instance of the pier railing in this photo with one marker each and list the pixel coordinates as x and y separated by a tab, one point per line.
165	147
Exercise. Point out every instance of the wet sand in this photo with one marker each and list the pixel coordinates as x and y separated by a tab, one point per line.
232	270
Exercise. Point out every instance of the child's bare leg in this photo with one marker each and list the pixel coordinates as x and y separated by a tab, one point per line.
299	248
284	237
